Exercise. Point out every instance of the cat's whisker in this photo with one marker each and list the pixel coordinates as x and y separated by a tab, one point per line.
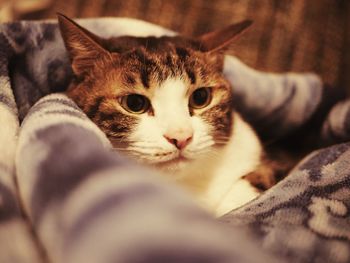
220	144
120	150
150	150
222	139
199	152
151	155
205	138
214	153
204	145
145	149
141	143
142	158
202	142
116	137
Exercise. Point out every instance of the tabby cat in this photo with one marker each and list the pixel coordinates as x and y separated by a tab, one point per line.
165	102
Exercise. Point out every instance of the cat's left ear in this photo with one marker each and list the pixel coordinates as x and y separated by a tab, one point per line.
83	46
220	40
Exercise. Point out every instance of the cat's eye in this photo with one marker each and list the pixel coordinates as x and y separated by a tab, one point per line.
135	103
200	98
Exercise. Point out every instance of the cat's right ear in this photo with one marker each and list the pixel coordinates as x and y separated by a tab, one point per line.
82	45
220	40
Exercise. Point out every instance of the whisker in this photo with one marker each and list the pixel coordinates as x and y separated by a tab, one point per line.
145	147
220	143
121	150
205	145
141	142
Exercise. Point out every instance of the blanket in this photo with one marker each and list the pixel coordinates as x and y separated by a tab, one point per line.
65	196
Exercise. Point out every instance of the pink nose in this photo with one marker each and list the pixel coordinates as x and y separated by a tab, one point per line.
180	140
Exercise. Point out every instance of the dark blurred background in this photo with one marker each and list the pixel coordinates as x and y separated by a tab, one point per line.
288	35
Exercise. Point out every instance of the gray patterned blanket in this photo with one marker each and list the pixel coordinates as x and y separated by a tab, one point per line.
65	197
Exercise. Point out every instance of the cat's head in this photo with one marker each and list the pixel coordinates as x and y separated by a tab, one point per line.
161	100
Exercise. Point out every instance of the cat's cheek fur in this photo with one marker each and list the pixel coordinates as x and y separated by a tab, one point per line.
202	140
149	135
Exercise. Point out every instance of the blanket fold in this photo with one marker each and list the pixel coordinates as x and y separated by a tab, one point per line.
17	244
100	203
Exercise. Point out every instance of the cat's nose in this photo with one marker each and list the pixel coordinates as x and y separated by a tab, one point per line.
180	139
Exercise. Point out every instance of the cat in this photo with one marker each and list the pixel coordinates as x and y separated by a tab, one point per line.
164	102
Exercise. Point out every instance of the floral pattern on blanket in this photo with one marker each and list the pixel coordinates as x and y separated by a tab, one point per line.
307	213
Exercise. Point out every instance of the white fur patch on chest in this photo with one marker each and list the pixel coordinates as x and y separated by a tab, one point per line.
223	189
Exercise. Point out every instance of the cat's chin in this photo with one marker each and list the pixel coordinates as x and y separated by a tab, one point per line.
174	166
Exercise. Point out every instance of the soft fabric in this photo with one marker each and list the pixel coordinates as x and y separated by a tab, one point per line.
77	201
90	205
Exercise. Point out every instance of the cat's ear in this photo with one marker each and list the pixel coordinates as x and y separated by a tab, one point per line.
83	46
220	40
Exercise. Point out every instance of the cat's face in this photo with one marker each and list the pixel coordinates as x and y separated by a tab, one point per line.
163	101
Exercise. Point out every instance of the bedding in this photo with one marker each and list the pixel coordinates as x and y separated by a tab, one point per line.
65	196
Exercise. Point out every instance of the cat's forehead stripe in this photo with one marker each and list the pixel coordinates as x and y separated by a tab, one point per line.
163	65
144	76
150	66
191	75
182	53
130	79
